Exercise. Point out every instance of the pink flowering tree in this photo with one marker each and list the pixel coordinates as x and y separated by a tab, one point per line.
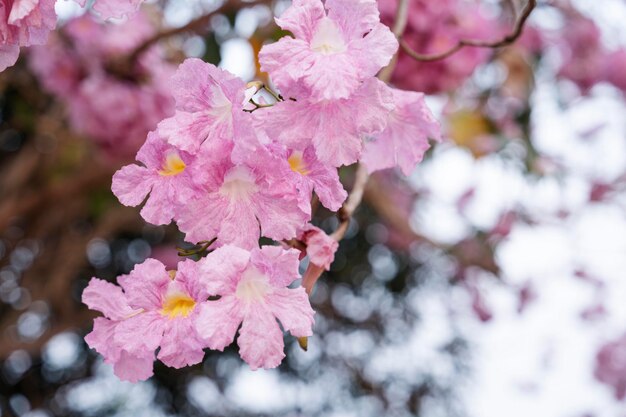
311	207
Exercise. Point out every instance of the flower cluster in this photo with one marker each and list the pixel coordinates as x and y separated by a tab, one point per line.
585	60
23	23
610	367
229	168
170	311
114	110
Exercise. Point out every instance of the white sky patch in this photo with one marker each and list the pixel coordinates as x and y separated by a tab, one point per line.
540	362
238	58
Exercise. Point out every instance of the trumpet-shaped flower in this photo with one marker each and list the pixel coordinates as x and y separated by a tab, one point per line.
405	140
334	128
320	248
209	103
336	46
152	309
168	174
254	293
242	201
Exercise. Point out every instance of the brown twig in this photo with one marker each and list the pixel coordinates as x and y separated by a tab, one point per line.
507	40
399	26
354	200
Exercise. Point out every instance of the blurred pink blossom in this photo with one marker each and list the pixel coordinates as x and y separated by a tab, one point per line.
113	110
23	23
435	27
611	366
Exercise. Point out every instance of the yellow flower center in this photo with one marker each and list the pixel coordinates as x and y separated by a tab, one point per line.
173	165
177	305
297	164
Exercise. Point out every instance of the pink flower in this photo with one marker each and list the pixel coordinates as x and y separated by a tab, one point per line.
117	115
611	366
23	23
582	53
242	201
614	73
434	27
152	309
334	128
303	169
209	101
253	290
320	248
405	140
333	51
169	175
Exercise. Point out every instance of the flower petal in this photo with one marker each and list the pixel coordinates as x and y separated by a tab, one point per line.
217	321
134	368
293	310
146	284
180	346
101	339
302	18
260	339
279	264
107	298
131	184
405	140
220	270
140	334
189	279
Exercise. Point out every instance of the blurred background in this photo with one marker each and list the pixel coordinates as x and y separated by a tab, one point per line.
490	282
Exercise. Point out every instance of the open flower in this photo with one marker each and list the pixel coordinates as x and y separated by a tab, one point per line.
253	293
167	175
152	309
405	140
242	201
209	102
336	46
335	128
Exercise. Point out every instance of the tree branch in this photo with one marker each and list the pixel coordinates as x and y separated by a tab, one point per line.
354	200
507	40
399	26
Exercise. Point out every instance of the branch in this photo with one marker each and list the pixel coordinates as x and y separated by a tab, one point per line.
507	40
354	200
399	26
